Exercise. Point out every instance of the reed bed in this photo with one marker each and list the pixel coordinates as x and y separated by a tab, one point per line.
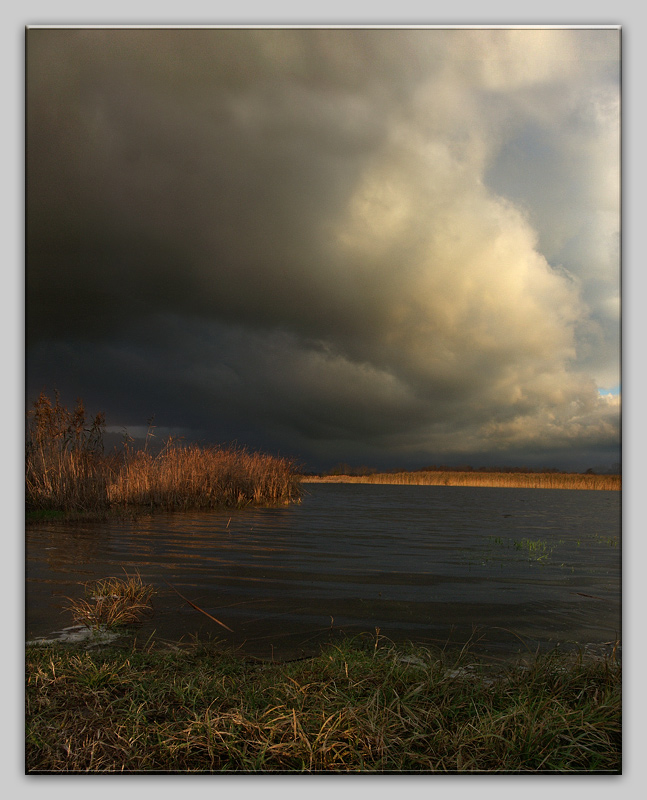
515	480
67	470
65	464
191	477
362	705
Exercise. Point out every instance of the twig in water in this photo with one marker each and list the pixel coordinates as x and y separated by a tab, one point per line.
197	608
592	596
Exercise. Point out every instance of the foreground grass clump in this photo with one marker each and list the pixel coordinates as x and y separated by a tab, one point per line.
361	706
112	602
68	471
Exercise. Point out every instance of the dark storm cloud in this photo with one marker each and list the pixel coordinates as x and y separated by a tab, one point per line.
135	164
292	237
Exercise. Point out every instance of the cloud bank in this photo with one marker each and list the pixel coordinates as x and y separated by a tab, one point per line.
382	246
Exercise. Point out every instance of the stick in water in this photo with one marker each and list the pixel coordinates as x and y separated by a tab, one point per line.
197	608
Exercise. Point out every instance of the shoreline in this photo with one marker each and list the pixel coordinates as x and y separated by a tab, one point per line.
511	480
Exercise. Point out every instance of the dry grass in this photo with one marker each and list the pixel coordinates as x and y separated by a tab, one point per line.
112	602
67	470
183	477
65	464
361	706
516	480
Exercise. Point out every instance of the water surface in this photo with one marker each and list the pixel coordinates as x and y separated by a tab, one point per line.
512	569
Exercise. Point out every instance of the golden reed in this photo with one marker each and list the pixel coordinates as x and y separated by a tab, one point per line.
67	470
516	480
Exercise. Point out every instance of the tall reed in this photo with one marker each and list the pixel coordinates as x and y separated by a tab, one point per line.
65	464
188	476
67	469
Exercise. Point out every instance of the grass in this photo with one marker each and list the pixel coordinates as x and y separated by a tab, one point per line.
516	480
362	705
112	602
537	549
68	472
191	477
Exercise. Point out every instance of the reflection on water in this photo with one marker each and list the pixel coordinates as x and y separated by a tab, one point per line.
433	564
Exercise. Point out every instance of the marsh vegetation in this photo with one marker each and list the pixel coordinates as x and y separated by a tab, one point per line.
361	705
112	602
516	480
67	470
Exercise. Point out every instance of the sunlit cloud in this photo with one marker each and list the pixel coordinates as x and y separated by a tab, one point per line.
304	239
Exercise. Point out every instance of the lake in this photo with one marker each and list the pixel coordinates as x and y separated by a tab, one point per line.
512	570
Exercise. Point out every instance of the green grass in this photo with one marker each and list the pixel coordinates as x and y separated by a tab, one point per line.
536	549
363	705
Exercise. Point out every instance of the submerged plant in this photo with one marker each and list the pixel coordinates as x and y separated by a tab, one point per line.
610	541
112	602
538	549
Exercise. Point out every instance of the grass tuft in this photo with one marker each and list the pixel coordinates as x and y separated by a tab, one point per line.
112	602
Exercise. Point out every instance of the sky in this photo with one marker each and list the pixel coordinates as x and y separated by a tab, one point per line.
384	247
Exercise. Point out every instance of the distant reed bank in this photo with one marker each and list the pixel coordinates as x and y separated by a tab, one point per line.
67	470
515	480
